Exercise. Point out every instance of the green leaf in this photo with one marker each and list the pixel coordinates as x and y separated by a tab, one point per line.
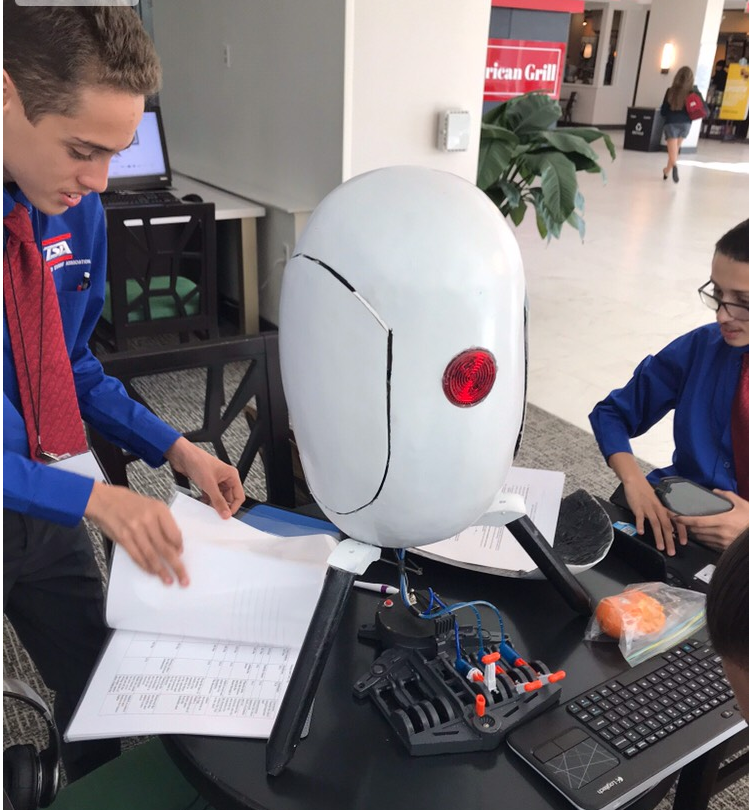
535	195
577	222
517	213
552	227
495	158
557	180
542	213
609	144
542	228
520	149
532	162
583	164
498	198
558	183
495	115
491	132
512	191
531	112
590	134
569	143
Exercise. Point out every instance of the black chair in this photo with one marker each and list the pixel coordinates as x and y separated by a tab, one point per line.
568	108
161	273
260	378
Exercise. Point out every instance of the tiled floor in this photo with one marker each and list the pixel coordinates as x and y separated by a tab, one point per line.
598	307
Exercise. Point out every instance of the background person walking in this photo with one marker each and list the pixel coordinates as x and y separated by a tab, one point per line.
677	121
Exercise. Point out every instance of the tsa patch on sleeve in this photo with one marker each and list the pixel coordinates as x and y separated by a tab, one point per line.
57	249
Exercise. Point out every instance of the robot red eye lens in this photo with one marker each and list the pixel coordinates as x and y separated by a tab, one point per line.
469	377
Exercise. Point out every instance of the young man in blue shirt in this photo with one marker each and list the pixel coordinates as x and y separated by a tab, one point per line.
74	87
700	376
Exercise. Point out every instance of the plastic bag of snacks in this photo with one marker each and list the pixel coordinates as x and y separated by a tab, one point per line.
647	619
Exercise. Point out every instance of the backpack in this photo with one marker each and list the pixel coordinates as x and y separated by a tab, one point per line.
695	106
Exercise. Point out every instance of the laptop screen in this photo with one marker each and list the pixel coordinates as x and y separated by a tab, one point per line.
144	164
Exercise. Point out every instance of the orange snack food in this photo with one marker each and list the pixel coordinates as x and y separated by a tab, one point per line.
642	614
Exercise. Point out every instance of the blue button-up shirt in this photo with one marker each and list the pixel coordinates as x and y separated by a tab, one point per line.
73	243
696	376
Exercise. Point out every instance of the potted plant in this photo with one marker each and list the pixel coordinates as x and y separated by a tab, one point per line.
520	143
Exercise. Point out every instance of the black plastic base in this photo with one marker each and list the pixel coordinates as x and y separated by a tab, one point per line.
429	704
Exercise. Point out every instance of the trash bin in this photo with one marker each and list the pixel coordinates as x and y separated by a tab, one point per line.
643	129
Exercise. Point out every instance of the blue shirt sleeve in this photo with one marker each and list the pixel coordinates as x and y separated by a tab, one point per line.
630	411
35	489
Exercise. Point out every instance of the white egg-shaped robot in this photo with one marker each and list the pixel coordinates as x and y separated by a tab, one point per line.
402	347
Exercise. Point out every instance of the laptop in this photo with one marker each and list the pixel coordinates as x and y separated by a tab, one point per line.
618	739
140	174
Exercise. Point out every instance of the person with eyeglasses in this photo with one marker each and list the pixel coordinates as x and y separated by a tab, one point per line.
703	377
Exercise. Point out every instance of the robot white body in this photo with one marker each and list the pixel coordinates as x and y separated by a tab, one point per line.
397	273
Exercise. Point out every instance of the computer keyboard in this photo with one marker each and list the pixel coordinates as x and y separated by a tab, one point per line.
636	711
118	198
618	739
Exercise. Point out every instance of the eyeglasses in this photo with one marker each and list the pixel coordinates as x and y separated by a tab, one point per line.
737	311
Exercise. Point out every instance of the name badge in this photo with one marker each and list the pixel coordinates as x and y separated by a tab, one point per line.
83	464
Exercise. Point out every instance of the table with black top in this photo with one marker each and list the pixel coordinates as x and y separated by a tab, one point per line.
352	760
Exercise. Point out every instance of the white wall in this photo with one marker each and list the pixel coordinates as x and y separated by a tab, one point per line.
269	126
583	111
694	33
408	61
613	101
603	105
698	22
315	93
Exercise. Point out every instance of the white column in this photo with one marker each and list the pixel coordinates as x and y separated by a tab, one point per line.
692	26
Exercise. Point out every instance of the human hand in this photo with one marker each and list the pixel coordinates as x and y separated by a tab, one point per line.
718	531
646	506
219	482
143	526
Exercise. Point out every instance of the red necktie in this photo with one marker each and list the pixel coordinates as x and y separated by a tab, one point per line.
739	430
45	379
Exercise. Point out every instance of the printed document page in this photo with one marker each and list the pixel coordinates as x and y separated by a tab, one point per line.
245	585
214	657
494	549
154	684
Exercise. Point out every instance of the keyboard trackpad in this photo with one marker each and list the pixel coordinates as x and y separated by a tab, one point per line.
574	759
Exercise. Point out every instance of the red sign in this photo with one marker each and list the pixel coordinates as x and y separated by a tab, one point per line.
572	6
515	67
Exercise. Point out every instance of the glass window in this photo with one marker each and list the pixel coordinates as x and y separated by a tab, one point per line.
583	40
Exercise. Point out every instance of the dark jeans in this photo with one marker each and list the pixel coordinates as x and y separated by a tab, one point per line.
52	595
